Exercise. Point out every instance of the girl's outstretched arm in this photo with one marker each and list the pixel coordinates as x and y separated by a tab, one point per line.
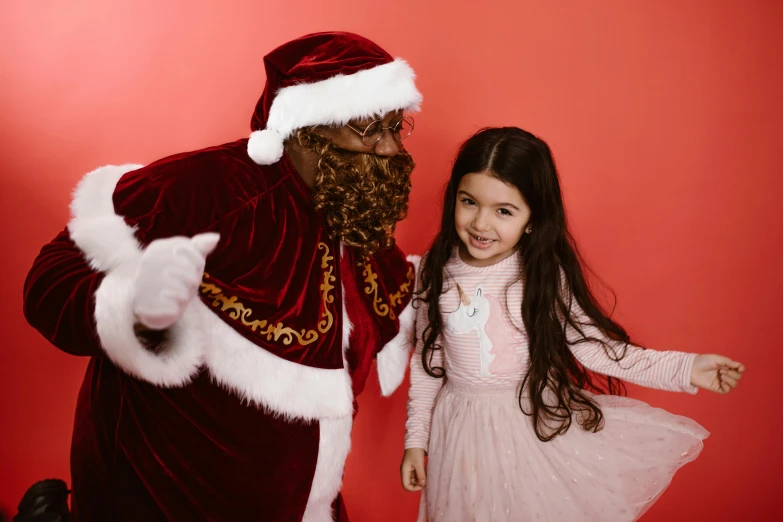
664	370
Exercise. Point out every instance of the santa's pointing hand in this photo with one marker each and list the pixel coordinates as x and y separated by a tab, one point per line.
168	278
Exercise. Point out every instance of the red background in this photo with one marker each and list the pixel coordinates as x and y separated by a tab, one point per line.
665	119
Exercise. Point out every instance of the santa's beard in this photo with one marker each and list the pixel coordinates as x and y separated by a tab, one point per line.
361	196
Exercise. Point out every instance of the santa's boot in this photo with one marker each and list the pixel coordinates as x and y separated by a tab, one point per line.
45	501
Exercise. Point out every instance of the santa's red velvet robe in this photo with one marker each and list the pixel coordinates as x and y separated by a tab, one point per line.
245	413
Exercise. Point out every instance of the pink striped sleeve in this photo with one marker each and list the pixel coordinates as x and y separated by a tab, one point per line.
423	389
663	370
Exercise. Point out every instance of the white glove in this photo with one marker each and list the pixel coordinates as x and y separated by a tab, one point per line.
170	272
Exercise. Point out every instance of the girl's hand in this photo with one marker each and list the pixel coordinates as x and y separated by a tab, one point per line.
716	373
412	469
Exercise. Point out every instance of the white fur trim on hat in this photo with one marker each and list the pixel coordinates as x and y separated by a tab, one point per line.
334	101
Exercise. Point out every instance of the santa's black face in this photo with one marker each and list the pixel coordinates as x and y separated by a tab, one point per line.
362	196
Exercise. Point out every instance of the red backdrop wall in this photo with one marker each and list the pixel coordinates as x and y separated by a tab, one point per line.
665	119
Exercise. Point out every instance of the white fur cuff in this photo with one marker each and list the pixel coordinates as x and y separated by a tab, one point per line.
393	359
182	354
110	246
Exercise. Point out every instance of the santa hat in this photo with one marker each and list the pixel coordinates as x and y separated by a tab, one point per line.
326	79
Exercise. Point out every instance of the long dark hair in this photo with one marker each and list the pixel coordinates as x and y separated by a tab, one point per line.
554	386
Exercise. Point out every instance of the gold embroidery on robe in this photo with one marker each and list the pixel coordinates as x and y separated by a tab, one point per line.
381	308
239	312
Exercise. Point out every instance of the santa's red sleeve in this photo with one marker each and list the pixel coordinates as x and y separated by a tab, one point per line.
79	291
59	297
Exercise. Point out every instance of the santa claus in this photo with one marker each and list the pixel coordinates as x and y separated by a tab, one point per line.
232	299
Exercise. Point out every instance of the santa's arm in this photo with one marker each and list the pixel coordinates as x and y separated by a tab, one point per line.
58	297
80	291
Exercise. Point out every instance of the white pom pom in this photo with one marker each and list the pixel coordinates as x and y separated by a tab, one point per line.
265	147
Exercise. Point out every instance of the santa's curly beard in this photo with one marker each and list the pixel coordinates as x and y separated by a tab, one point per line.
361	196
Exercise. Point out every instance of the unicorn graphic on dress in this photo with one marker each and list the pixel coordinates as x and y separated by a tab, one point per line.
484	313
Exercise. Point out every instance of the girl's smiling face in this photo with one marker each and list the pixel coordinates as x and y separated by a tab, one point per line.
490	217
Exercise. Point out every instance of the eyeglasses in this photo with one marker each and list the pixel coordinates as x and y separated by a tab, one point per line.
373	133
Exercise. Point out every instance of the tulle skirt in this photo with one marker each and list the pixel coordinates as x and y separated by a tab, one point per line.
486	463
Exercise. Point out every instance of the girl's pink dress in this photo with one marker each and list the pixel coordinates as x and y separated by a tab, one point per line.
485	462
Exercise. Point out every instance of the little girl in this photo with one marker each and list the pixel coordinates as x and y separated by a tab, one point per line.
510	345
